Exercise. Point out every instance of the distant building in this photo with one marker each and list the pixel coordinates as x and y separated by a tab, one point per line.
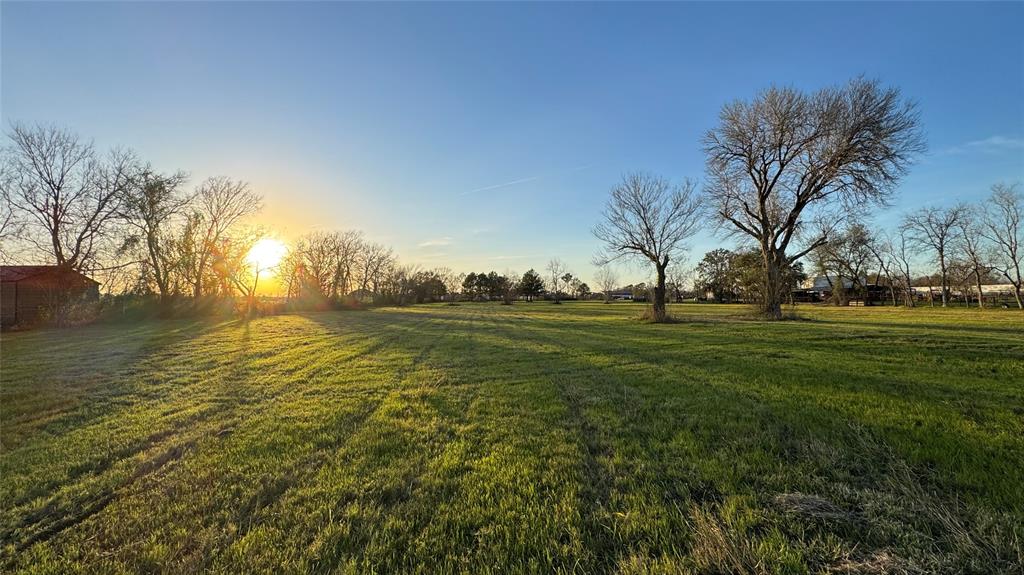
27	292
621	295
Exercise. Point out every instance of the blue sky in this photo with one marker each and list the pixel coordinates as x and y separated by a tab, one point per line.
486	136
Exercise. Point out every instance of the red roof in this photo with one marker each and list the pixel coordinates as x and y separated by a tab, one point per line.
19	273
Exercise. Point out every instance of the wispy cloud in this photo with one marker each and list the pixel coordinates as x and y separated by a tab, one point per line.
505	185
990	145
525	180
437	242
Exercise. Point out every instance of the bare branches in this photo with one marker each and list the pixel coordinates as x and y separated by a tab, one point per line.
557	268
1003	226
220	203
69	198
935	229
607	280
648	218
785	154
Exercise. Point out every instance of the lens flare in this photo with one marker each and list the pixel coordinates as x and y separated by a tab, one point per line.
266	254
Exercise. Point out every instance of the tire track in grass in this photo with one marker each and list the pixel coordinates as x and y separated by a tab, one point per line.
301	473
595	487
42	525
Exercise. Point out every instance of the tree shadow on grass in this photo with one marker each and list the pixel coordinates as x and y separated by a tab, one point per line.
723	421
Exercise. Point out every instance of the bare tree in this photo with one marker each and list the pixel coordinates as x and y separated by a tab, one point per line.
883	252
375	263
68	197
900	248
678	277
648	218
149	209
973	251
1004	227
452	283
788	157
845	257
220	203
935	229
557	269
233	267
608	280
10	226
347	247
509	286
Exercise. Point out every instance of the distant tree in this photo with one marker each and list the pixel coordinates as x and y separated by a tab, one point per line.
1004	227
881	248
935	229
973	251
150	208
233	270
607	280
492	284
582	289
427	286
508	285
845	257
220	203
787	157
678	276
10	226
902	253
567	281
647	218
531	285
469	285
640	291
377	264
715	274
344	248
452	283
68	199
556	268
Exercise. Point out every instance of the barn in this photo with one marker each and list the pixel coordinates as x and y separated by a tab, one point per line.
26	292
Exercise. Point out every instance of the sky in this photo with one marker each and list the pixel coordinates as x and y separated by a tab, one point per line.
486	136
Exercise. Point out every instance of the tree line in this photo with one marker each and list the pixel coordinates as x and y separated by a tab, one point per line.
794	176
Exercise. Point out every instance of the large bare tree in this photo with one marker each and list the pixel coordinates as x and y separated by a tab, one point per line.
936	229
778	162
220	203
1004	227
650	219
67	196
150	208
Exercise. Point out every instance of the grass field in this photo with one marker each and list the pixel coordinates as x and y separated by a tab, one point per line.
534	438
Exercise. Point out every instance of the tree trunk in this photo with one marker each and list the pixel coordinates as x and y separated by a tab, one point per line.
771	307
658	308
945	286
981	298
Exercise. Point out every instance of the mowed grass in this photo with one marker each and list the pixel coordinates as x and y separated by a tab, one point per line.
534	438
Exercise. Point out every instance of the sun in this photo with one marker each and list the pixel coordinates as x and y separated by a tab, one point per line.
266	254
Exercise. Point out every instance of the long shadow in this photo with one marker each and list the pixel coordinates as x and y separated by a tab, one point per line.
781	422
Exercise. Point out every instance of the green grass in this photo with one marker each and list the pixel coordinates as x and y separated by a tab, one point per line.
533	438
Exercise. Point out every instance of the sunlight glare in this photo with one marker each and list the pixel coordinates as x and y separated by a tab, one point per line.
266	254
